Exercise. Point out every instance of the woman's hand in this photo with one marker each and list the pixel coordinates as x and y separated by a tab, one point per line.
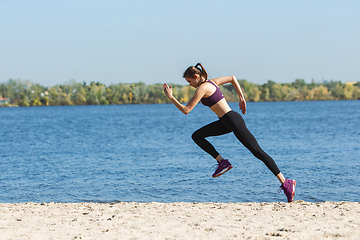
242	105
167	90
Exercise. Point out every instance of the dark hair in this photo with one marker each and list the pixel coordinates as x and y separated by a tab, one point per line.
197	69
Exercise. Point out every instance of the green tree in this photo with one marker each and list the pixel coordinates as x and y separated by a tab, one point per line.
26	93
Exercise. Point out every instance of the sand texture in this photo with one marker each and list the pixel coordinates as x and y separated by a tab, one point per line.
297	220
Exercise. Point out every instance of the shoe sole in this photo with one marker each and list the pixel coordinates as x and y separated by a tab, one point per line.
218	175
293	193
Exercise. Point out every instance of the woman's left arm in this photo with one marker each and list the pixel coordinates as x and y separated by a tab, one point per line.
199	93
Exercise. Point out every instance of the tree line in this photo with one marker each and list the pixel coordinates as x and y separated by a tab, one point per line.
26	93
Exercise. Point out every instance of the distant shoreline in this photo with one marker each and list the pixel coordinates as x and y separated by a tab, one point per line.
16	106
26	93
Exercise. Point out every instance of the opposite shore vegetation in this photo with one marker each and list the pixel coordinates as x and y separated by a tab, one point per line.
25	93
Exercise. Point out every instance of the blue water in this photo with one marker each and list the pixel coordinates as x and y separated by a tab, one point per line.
145	153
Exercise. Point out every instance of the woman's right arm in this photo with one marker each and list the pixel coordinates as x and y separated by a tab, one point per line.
242	102
235	83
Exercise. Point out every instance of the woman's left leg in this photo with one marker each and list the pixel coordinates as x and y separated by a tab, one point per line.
236	123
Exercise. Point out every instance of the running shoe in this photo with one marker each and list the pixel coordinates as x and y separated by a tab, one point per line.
222	167
289	189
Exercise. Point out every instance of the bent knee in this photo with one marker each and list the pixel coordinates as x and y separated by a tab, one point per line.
197	136
194	136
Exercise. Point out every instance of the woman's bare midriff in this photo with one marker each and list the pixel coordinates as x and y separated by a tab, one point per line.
221	108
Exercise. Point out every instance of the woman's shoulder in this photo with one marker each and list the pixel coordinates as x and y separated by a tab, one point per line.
212	82
208	84
206	89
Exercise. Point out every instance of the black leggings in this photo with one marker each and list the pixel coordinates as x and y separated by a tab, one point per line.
232	122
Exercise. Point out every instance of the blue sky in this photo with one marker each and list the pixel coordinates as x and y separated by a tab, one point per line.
53	42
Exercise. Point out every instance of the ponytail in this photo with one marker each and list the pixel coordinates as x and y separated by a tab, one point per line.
197	69
203	73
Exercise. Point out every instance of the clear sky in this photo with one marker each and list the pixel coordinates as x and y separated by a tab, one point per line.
112	41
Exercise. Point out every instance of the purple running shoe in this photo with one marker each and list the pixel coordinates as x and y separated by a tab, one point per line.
289	189
222	167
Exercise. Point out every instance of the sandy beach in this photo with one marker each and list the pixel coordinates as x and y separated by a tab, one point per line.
131	220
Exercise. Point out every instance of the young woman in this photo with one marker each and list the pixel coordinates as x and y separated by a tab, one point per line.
208	92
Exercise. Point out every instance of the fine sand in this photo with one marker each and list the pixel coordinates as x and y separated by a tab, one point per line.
130	220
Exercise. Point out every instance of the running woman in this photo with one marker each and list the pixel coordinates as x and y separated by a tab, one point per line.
208	92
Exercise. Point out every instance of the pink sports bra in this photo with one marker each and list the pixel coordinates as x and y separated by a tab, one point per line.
214	98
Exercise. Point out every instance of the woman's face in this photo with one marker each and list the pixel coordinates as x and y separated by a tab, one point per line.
194	81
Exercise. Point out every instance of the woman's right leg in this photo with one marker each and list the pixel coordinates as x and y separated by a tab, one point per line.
213	129
216	128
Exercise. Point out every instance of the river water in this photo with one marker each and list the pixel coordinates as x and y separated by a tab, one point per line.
145	153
